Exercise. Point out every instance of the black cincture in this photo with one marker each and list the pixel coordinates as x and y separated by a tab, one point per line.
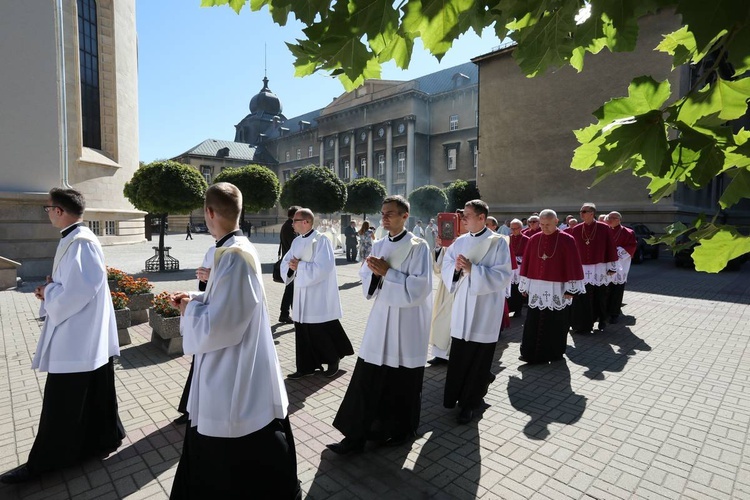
237	232
70	229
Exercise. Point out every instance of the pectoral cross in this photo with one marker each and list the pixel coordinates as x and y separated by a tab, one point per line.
545	256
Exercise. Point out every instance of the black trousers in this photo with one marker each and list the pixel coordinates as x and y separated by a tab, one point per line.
545	334
318	343
381	402
469	376
614	299
182	406
286	299
588	308
351	252
260	465
516	300
79	419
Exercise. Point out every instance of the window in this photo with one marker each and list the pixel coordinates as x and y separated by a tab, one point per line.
299	153
309	151
110	228
451	159
363	166
476	118
287	156
381	164
453	122
94	226
401	163
206	172
346	169
475	151
287	175
332	166
88	53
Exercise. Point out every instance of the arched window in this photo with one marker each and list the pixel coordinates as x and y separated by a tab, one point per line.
88	54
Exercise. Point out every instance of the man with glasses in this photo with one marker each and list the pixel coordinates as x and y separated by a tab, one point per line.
384	398
79	417
286	236
316	309
596	247
476	269
533	226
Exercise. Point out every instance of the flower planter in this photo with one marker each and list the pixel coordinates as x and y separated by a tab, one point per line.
112	285
139	305
165	332
123	322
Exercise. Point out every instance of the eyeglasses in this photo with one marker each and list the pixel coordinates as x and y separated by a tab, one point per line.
47	208
585	211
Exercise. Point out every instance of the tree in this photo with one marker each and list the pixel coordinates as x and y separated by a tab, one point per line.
259	186
364	195
426	201
316	188
682	140
164	187
458	193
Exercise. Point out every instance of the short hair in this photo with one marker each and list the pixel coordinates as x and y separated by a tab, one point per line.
400	201
548	213
493	221
515	221
616	214
479	207
419	222
573	219
292	210
568	217
69	200
590	205
534	218
307	214
225	199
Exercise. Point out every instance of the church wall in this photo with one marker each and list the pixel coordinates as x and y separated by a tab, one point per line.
525	131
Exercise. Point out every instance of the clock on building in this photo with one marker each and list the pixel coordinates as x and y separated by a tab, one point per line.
401	128
346	139
362	135
330	143
381	131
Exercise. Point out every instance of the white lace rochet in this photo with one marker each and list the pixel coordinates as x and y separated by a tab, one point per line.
550	294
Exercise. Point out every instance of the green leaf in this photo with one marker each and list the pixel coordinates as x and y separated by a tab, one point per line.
644	94
738	189
680	45
436	21
713	253
716	103
737	49
705	20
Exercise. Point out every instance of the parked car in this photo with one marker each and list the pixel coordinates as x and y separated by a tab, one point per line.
644	249
200	228
684	257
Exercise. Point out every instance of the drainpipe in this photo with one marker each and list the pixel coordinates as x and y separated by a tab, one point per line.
62	113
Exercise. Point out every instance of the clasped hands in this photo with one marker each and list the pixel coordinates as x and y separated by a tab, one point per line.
463	264
179	300
293	263
39	291
377	265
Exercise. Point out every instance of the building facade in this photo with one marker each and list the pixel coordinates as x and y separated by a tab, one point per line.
68	116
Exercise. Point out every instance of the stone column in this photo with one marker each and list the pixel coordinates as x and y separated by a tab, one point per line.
370	167
352	154
336	156
322	148
388	157
410	154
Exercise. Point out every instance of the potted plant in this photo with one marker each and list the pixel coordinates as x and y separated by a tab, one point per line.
113	276
165	322
122	316
138	291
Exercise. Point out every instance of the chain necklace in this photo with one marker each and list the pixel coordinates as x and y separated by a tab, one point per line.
586	238
544	256
617	234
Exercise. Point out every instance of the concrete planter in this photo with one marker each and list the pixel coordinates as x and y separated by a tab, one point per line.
122	316
139	305
165	332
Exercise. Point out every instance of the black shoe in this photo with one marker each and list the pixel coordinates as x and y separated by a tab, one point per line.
581	331
299	374
437	361
182	419
286	319
333	369
398	440
602	326
20	474
466	416
347	446
614	319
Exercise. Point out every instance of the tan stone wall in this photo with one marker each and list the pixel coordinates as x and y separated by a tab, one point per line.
525	130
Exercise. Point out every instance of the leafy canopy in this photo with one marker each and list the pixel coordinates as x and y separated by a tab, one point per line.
458	193
426	201
316	188
259	186
364	196
166	187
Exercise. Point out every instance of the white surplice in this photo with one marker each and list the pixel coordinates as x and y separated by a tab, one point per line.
237	386
398	329
316	291
80	330
479	297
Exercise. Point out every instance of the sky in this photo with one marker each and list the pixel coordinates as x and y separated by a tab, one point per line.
199	67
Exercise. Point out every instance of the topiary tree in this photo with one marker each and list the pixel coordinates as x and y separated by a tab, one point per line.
426	201
364	195
459	192
164	187
260	187
316	188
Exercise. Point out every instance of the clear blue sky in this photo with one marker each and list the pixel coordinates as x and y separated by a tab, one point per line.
199	67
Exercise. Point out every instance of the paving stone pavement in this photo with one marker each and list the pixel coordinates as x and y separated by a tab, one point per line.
657	406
